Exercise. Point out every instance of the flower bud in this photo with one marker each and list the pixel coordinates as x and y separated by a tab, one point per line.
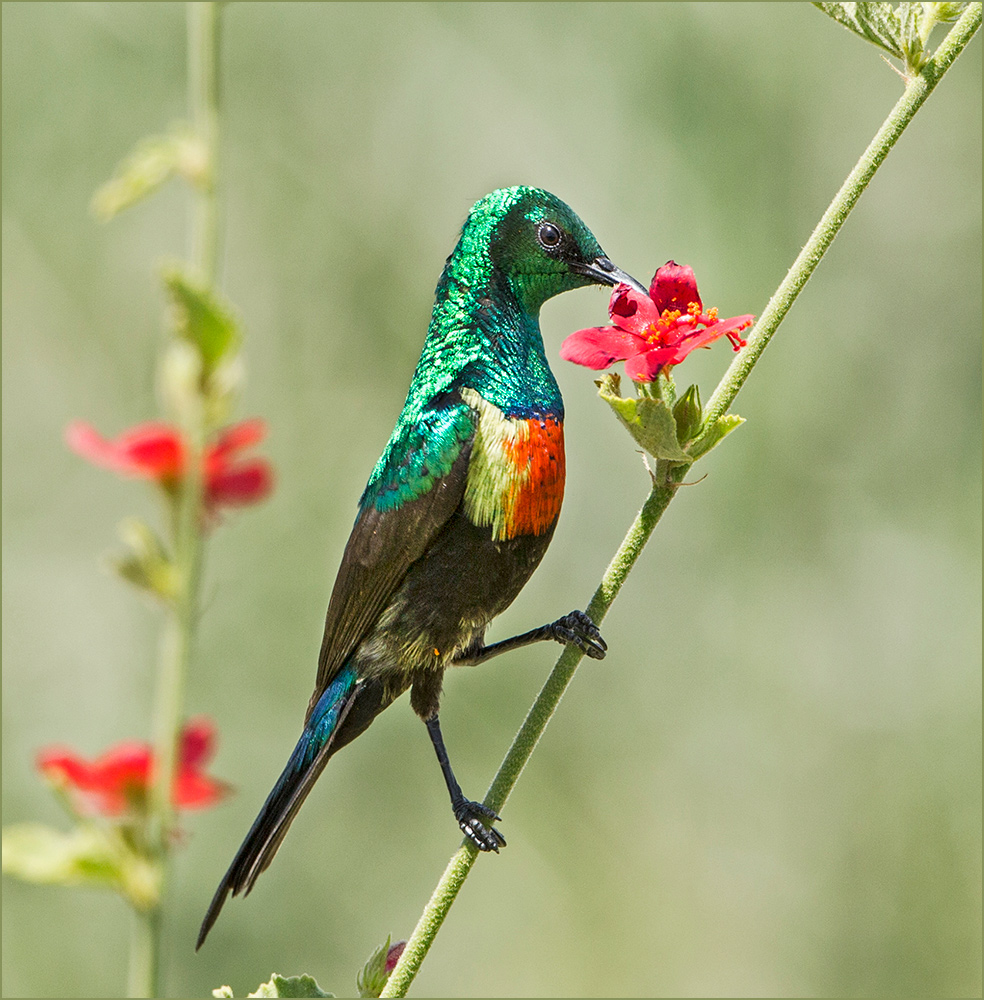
688	415
146	565
372	979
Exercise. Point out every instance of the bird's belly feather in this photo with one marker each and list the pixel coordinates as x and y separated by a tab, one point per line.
448	598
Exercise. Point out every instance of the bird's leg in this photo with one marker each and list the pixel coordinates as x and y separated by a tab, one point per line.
576	628
472	817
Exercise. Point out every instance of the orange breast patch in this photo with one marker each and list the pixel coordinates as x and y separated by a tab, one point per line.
536	492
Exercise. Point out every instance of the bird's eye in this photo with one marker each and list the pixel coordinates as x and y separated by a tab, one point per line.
548	235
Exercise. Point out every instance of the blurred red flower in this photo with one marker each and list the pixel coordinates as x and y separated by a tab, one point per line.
653	332
157	451
122	776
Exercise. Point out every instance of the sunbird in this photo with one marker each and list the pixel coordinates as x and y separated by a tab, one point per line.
457	513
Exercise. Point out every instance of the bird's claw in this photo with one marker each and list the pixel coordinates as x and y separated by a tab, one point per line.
472	818
580	630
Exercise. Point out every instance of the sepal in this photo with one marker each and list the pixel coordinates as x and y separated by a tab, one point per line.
715	434
668	428
649	420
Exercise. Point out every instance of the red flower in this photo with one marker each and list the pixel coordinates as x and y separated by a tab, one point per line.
654	332
122	776
157	451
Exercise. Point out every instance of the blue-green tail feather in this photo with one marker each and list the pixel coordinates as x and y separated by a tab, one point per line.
317	743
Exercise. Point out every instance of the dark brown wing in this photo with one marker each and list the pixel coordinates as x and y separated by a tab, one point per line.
383	546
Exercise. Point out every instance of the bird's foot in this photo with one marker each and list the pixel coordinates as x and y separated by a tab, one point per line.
476	821
579	629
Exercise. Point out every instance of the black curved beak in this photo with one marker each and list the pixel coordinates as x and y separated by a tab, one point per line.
602	270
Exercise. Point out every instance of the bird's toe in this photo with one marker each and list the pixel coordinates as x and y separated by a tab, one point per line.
473	818
580	630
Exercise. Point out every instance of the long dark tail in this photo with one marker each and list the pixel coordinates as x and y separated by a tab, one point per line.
324	733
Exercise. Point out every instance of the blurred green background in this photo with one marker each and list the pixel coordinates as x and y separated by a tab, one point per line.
772	785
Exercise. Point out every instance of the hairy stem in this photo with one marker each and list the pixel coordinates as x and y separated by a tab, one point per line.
916	92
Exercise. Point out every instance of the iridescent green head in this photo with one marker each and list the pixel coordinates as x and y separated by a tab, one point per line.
533	241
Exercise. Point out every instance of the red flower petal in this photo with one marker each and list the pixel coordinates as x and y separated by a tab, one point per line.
125	764
674	287
630	310
235	438
246	483
699	338
193	790
197	742
106	781
732	326
151	450
646	366
600	346
62	765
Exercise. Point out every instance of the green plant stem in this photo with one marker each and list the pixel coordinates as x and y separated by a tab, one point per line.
916	92
203	98
144	952
179	628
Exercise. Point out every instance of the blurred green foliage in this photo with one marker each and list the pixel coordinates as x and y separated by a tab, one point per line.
772	785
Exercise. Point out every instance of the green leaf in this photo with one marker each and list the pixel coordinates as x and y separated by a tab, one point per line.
648	420
88	855
281	986
38	853
296	986
152	163
876	22
201	318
